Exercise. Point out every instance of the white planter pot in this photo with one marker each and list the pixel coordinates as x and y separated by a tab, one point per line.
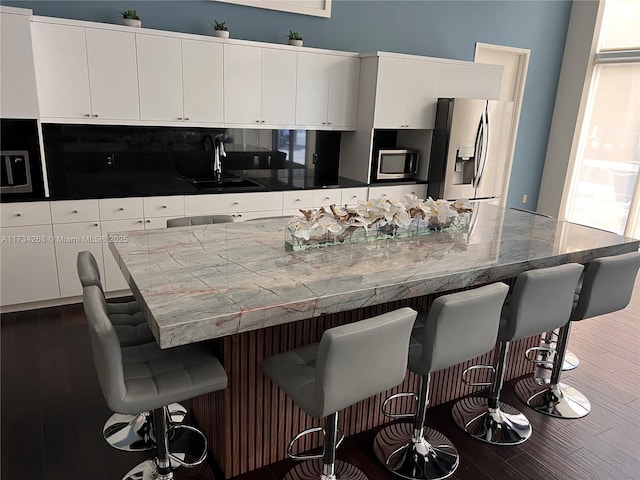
221	33
295	43
130	22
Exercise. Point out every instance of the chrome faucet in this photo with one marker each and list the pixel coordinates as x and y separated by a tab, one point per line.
218	152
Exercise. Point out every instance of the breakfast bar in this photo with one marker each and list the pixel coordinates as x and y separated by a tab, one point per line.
237	285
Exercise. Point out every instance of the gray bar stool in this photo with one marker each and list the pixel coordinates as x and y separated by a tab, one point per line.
457	328
199	220
126	432
607	287
146	378
352	362
541	301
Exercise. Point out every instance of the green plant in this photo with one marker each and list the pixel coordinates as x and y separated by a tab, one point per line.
132	14
220	26
294	36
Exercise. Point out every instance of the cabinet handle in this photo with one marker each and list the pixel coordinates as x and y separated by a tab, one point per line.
87	114
147	221
139	221
96	224
297	200
262	121
18	214
179	118
95	115
257	121
163	206
235	203
121	209
74	211
186	118
324	123
327	198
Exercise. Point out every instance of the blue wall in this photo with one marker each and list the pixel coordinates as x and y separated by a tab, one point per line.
446	29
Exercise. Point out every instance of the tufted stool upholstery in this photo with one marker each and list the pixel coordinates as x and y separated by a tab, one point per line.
199	220
352	362
541	301
458	327
145	377
606	287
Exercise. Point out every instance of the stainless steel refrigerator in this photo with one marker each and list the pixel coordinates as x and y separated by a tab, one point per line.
469	148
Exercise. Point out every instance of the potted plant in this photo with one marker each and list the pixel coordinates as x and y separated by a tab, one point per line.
295	39
130	18
220	29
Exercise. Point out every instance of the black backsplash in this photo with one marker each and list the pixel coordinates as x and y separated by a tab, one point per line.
93	161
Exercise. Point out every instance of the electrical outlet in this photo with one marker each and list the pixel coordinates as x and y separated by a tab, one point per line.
524	198
110	161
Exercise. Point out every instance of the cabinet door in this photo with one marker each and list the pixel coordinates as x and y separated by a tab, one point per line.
343	92
115	230
113	74
28	260
397	192
312	92
18	97
242	84
62	74
71	238
470	81
160	77
391	93
279	86
422	97
202	81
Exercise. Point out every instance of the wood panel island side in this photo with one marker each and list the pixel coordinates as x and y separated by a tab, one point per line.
237	286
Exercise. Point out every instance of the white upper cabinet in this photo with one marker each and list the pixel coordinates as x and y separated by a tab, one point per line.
202	81
113	75
160	77
242	84
259	85
343	92
17	76
470	81
279	73
85	73
327	90
406	93
62	72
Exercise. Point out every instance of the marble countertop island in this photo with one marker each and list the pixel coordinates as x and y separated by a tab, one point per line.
204	282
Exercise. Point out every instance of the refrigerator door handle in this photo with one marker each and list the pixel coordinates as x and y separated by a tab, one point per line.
484	149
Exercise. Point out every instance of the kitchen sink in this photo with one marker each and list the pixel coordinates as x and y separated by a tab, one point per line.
227	185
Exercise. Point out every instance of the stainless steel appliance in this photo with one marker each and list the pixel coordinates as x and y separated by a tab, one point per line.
396	164
469	148
15	172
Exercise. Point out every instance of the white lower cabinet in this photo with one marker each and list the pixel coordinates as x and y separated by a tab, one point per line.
353	197
27	264
233	203
397	192
115	231
71	238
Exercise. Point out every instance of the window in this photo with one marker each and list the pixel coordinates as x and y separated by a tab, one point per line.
605	189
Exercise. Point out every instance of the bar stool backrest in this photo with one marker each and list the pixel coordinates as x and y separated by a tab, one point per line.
541	301
460	326
107	354
361	359
88	271
199	220
607	285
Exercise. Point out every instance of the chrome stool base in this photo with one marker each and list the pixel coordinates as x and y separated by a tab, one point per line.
559	400
504	425
312	470
134	433
148	470
571	361
432	457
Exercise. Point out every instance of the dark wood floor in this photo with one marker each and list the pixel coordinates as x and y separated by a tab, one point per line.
53	411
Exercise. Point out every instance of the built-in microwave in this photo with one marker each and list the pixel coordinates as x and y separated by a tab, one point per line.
15	172
397	164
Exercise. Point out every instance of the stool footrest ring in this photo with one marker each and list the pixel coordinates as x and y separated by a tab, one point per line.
477	367
304	433
203	456
539	361
387	413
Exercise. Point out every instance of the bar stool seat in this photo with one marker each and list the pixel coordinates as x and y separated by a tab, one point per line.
346	367
541	301
607	287
147	378
458	327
